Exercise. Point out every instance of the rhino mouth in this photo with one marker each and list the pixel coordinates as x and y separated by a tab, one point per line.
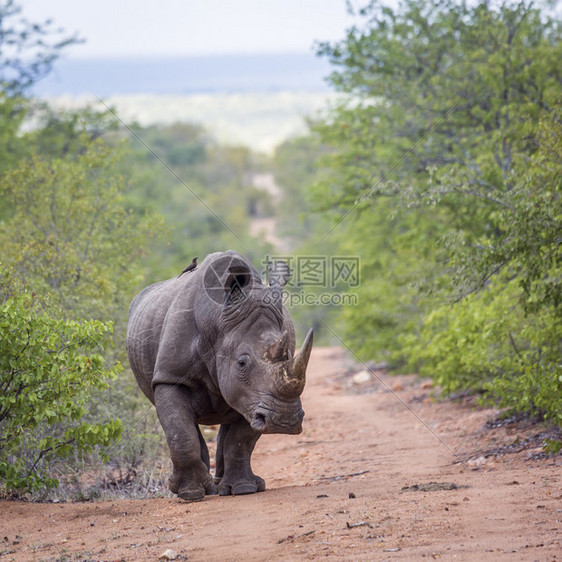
267	421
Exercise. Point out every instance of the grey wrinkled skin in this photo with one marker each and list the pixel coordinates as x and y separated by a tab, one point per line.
216	346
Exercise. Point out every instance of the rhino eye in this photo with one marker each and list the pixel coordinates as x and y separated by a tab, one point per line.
243	361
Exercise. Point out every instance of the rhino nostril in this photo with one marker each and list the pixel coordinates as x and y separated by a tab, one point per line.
259	422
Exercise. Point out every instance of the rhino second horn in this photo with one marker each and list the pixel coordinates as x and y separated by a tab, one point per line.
293	372
279	351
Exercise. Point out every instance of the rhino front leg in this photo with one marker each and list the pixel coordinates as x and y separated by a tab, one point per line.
191	479
235	444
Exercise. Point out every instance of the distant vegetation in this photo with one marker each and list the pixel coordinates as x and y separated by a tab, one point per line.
441	174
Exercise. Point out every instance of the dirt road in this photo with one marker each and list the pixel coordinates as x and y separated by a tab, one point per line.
376	475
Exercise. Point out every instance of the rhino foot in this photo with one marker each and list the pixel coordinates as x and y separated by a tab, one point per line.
193	494
241	487
190	489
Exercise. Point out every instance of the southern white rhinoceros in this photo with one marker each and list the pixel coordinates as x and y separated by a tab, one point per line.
216	346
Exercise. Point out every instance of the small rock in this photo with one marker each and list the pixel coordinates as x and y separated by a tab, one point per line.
397	386
361	377
351	495
380	366
168	554
475	464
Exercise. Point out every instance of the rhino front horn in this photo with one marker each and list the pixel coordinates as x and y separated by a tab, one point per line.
293	372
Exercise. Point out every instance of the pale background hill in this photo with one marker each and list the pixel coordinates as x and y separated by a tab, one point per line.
259	120
254	100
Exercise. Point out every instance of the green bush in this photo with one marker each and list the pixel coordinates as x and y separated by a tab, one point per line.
49	368
487	343
69	234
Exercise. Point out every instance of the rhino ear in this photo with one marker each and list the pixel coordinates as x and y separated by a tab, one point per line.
238	277
228	276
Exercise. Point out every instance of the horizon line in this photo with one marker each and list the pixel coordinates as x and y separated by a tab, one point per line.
132	57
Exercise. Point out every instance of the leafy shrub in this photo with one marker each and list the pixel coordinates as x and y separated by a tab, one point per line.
488	344
49	368
69	234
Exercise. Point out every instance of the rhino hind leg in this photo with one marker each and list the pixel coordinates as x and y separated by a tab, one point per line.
235	444
204	450
191	479
219	459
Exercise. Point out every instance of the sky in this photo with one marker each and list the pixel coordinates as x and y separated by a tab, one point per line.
149	28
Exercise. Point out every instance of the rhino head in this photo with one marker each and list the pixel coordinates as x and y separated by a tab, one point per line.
257	370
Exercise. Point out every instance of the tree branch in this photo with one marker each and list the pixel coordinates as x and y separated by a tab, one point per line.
44	452
475	194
